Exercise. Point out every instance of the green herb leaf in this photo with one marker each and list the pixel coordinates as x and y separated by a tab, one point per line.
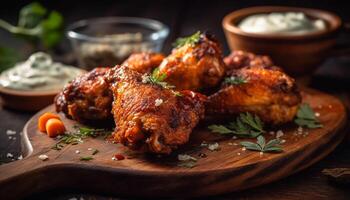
245	125
36	24
273	143
220	129
86	158
52	29
251	146
192	40
95	152
235	80
274	149
31	15
271	146
77	137
157	78
261	141
306	117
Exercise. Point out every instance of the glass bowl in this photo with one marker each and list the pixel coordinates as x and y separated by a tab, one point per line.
105	42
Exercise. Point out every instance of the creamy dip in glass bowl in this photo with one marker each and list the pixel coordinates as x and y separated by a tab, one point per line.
105	42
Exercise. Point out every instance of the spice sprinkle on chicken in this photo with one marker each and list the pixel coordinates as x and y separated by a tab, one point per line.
150	117
196	63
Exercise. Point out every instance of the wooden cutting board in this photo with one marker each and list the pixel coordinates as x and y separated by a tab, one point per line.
229	169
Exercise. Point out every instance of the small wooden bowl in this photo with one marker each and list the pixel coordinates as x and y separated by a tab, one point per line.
297	54
27	100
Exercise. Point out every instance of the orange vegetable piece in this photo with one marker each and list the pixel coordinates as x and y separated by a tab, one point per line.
44	118
54	127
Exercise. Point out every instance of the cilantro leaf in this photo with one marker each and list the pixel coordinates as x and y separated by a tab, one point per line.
245	125
251	146
220	129
306	117
262	146
192	40
158	78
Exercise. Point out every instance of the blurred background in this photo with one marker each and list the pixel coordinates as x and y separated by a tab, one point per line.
182	16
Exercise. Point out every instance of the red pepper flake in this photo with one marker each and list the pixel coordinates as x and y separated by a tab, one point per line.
118	157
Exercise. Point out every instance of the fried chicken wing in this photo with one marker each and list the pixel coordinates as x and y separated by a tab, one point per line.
267	92
150	117
195	65
87	98
239	59
143	62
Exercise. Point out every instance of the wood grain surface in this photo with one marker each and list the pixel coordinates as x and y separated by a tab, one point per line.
226	170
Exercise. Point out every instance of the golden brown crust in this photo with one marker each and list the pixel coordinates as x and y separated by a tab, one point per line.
195	66
86	98
143	62
269	93
141	123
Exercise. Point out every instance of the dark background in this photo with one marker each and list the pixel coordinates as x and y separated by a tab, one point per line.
183	18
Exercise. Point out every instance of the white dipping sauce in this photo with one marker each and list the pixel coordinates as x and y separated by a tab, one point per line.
284	23
39	72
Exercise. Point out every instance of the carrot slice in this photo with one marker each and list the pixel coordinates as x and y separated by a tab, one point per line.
44	118
54	127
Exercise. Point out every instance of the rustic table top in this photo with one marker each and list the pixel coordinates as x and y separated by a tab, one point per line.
185	17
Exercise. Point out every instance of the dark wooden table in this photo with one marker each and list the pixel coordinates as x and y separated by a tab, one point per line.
185	17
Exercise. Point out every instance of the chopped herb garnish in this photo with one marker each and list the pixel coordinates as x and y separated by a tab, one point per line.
306	117
157	78
245	125
262	146
192	40
176	93
86	158
235	80
77	137
95	152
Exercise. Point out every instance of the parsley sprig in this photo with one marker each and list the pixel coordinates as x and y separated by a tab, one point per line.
74	138
158	78
235	80
273	145
192	40
306	117
245	125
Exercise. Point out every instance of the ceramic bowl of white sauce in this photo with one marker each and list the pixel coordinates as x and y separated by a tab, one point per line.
297	39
